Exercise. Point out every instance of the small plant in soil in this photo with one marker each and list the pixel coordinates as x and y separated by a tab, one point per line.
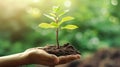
57	18
56	15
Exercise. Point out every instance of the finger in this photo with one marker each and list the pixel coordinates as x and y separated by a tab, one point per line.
35	48
29	49
40	47
69	58
52	58
48	58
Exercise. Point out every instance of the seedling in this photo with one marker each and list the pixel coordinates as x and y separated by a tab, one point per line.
57	21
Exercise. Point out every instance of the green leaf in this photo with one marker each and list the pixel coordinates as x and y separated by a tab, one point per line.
54	24
64	12
46	25
50	17
56	9
68	18
70	27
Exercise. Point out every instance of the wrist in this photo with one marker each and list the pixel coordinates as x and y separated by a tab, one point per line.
23	59
26	56
13	60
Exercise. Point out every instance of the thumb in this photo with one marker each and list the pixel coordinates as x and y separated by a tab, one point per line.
53	59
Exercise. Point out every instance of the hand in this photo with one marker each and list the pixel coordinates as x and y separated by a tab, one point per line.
39	56
68	58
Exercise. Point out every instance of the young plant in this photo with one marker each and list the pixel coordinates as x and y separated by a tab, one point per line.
57	21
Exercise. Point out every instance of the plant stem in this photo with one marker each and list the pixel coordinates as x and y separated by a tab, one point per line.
57	33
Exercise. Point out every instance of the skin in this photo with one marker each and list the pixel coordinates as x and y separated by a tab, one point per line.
35	56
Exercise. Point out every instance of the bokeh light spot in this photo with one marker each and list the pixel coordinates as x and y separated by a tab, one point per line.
114	2
67	3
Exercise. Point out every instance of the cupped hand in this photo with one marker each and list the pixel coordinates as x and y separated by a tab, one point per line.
39	56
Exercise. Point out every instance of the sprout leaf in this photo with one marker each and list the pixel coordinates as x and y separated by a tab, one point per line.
50	17
46	25
70	27
68	18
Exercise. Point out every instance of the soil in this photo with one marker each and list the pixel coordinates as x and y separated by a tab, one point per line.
64	50
102	58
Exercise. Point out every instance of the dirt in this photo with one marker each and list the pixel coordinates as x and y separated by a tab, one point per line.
64	50
102	58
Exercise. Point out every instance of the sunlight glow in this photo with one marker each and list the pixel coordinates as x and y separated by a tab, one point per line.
36	1
35	12
67	3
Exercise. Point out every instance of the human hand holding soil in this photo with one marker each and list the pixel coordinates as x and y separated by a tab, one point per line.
35	56
39	56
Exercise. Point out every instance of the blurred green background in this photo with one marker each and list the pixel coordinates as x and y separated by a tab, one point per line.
98	21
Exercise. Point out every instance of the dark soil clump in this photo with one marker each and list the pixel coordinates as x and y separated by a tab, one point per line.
102	58
64	50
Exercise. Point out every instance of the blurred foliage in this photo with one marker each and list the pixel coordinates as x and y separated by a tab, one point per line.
98	21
